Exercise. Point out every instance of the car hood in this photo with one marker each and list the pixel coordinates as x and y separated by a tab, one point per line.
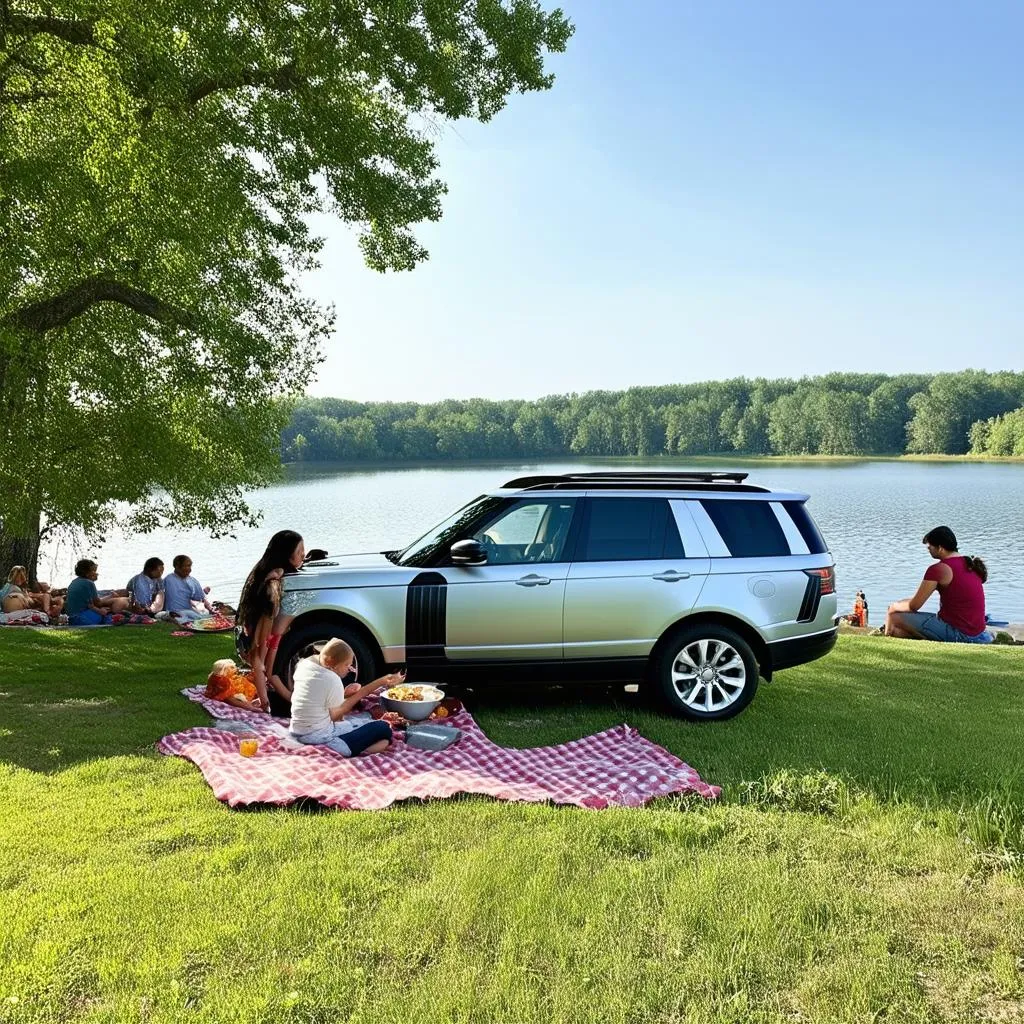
368	569
340	563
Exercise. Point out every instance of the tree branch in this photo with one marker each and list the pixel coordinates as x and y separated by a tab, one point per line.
59	310
22	99
80	33
281	79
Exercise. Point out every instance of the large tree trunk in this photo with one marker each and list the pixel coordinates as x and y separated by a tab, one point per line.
19	546
22	415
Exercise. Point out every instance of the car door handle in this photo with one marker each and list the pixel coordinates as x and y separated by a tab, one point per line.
671	576
533	580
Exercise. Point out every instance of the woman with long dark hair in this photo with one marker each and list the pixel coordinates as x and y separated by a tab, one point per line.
256	638
960	581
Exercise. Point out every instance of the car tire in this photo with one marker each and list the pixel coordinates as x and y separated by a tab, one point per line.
702	659
298	643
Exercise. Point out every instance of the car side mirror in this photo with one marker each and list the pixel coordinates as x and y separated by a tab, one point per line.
468	552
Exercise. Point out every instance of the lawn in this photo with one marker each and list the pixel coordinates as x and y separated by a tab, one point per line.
865	863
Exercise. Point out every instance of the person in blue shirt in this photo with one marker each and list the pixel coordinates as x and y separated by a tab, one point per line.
183	592
83	604
146	589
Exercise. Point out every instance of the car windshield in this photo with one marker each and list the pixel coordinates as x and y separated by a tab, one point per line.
422	551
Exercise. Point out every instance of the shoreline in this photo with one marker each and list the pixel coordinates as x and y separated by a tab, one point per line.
1015	629
669	460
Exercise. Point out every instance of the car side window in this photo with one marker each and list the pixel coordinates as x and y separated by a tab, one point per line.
529	532
750	529
629	529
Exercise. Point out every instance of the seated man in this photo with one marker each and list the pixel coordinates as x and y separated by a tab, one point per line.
146	589
183	596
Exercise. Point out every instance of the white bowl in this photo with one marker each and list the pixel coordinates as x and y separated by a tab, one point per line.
413	710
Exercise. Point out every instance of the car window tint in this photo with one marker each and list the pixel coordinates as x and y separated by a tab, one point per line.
629	529
805	524
749	528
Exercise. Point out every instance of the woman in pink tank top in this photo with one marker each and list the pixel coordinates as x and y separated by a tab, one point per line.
960	582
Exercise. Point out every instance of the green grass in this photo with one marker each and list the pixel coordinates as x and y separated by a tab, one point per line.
864	864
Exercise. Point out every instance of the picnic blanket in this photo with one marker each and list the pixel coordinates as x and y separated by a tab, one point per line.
614	768
24	617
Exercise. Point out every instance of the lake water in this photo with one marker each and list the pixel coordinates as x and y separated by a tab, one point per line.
873	515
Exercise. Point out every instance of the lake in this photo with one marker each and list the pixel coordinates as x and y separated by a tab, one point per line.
872	513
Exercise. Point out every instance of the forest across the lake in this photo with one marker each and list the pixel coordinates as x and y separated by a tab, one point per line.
967	412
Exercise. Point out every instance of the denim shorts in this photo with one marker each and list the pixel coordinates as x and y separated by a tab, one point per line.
931	627
343	739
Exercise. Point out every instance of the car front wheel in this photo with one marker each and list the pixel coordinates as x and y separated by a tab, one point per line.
306	639
706	673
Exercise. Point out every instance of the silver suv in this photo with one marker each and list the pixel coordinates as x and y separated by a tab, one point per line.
694	583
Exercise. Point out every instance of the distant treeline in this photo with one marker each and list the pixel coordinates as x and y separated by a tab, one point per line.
838	414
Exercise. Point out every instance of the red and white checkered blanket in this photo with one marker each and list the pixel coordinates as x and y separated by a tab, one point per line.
614	768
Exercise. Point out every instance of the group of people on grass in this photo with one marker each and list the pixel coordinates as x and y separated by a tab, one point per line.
148	595
318	702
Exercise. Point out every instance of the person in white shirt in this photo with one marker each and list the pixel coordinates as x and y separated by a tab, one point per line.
183	594
321	704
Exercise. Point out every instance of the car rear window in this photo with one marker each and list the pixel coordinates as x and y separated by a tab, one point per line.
749	528
628	529
806	525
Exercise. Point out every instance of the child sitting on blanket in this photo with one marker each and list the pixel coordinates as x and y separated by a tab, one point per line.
320	702
226	683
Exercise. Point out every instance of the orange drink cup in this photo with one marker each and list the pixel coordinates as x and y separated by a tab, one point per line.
248	745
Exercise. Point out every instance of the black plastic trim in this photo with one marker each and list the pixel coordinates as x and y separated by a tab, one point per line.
539	670
626	476
812	599
426	615
801	649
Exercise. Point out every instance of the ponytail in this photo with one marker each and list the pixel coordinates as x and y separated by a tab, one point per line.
977	566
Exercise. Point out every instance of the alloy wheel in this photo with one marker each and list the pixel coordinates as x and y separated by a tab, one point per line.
708	675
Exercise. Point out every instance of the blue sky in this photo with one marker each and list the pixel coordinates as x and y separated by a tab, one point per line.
710	190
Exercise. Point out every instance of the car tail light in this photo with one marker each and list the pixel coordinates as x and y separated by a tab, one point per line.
827	577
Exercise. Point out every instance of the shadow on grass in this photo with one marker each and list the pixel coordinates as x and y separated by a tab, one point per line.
73	696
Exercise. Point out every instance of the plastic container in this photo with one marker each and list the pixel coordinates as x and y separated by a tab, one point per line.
248	745
432	737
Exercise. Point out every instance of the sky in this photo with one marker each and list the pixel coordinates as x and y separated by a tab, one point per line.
713	189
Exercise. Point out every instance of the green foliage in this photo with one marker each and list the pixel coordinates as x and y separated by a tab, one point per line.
839	414
159	165
1000	435
945	410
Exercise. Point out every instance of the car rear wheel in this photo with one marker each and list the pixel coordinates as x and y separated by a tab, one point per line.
706	672
304	641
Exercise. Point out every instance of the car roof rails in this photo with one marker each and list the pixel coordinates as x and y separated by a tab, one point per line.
639	479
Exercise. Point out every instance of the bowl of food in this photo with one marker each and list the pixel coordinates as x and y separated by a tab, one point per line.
413	701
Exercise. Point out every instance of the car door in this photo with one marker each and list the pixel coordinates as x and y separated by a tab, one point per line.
511	608
639	566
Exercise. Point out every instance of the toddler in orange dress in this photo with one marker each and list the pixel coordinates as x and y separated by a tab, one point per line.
226	683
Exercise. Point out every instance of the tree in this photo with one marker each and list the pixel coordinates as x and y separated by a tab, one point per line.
1000	435
943	413
159	163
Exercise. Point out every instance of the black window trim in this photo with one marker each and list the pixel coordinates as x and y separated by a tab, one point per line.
806	526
